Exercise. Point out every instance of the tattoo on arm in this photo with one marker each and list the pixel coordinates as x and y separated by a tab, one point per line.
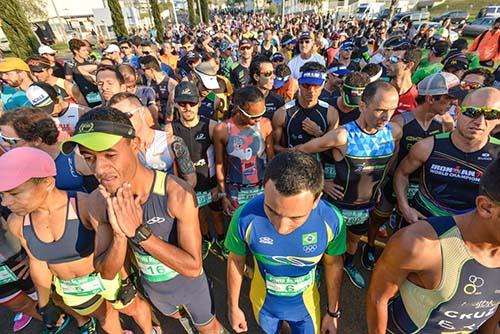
182	157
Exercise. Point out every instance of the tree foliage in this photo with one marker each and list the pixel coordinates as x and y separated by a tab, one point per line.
35	9
155	10
204	11
193	18
17	29
117	17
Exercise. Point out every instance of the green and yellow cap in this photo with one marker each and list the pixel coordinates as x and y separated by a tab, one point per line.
97	135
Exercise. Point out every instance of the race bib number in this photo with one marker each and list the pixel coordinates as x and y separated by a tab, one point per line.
204	198
355	217
330	172
6	275
82	286
288	286
93	97
153	270
246	194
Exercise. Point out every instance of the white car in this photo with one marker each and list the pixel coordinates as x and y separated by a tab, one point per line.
453	34
4	44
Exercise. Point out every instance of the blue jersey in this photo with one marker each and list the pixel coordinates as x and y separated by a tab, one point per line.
284	284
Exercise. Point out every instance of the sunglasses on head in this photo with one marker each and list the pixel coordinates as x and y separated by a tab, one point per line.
476	112
131	113
470	85
251	116
10	140
185	104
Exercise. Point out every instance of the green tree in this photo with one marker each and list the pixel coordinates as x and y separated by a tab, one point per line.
193	19
155	10
117	17
17	29
204	11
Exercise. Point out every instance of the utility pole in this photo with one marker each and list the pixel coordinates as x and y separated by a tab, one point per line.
175	14
61	22
199	11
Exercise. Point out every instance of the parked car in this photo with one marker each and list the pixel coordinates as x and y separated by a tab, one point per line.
478	26
456	16
492	11
4	44
414	16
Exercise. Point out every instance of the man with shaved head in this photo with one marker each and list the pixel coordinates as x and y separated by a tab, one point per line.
451	163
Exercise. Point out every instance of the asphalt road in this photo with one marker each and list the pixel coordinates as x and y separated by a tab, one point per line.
353	319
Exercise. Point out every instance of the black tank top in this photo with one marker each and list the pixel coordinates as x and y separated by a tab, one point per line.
273	103
466	297
77	242
162	94
345	117
266	52
201	150
450	177
207	106
295	114
412	133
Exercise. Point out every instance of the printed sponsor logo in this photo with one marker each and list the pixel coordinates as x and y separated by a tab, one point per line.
155	220
266	240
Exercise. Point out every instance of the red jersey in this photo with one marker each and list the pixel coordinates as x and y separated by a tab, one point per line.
407	101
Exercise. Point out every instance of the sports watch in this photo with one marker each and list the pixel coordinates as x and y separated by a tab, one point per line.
335	314
142	233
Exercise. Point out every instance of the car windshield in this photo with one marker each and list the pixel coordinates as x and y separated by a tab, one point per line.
490	10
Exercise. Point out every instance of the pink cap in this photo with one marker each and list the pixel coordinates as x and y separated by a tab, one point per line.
22	164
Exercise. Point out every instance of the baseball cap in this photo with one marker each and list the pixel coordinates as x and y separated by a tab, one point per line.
45	49
316	78
38	64
347	45
207	74
440	48
278	56
22	164
339	71
245	41
460	62
97	135
192	56
287	39
438	84
13	64
111	48
306	35
186	91
41	96
224	45
280	81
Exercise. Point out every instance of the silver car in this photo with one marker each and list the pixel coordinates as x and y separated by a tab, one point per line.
478	26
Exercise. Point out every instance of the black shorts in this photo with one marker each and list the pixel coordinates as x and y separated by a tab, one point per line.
13	288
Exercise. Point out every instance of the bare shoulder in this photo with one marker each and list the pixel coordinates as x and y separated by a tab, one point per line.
397	131
398	119
96	208
15	225
220	129
179	194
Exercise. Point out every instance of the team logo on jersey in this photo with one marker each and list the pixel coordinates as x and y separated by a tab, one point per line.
309	242
475	282
485	156
200	136
155	220
266	240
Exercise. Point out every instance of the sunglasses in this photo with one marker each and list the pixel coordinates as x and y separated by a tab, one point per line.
468	85
185	104
395	60
476	112
305	41
251	116
243	48
10	140
131	113
267	74
145	53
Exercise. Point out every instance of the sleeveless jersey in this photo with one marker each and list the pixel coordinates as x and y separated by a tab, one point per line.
273	103
412	133
295	114
61	91
66	122
207	106
162	94
364	165
76	242
67	177
245	154
157	278
345	117
201	150
157	156
283	283
449	180
466	297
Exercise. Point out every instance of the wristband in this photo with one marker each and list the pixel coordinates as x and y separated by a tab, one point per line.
335	314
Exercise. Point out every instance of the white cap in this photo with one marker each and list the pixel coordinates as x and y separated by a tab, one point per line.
38	97
111	48
208	75
45	49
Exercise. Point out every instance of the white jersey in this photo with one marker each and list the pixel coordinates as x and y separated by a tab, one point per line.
157	155
297	62
66	123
